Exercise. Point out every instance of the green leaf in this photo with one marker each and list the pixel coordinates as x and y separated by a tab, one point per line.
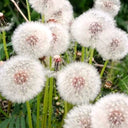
23	122
18	122
12	122
5	123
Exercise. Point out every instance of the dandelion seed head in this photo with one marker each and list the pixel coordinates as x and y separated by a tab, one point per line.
79	117
63	16
46	6
87	27
113	45
21	78
60	39
78	83
112	111
32	38
110	6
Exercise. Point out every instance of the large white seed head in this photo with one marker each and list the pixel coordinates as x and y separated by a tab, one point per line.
60	39
110	6
63	16
111	111
21	79
113	44
78	83
46	6
79	117
32	39
88	26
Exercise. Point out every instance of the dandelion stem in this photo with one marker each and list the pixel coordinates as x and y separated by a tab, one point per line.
28	10
45	105
103	69
75	50
87	53
91	56
38	110
50	103
50	97
19	9
5	45
83	54
29	114
43	18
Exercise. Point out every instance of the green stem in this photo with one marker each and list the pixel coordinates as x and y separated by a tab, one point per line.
83	54
87	53
43	19
38	110
5	45
68	61
45	105
28	10
29	114
75	51
50	103
91	56
103	69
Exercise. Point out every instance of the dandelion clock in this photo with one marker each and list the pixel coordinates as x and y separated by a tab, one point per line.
32	39
78	83
111	111
88	26
21	79
79	117
110	6
113	45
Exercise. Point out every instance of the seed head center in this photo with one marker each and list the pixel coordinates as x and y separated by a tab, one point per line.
116	117
20	77
78	82
114	43
95	28
108	4
32	40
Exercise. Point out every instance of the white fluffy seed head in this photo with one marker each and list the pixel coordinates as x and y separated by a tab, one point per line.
32	38
111	111
21	79
113	44
87	27
78	83
110	6
60	39
46	6
79	117
63	16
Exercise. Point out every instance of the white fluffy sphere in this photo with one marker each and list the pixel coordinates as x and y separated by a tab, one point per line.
110	6
32	38
78	83
63	16
21	79
111	111
88	26
79	117
60	39
113	44
46	6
